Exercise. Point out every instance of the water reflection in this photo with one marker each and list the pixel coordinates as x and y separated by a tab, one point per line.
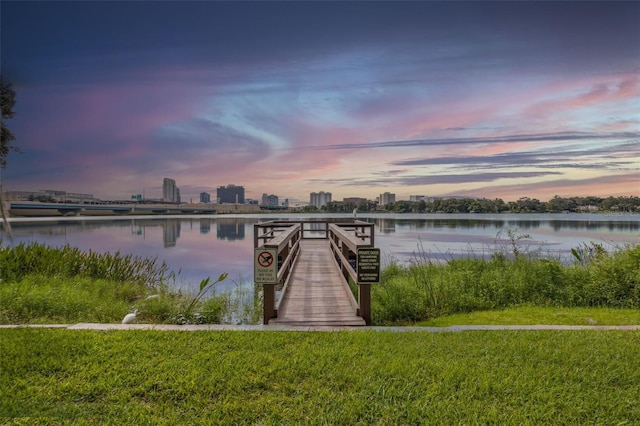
385	226
205	226
230	229
170	229
170	233
388	225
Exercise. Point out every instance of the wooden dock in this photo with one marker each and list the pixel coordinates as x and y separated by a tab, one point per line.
316	260
317	294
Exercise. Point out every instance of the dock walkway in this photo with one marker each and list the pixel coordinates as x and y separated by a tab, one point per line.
317	294
317	260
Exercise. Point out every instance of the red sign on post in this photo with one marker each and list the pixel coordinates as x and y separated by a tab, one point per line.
265	266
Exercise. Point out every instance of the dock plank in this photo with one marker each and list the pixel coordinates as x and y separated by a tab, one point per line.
316	294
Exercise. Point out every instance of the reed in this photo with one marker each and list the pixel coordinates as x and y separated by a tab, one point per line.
429	289
42	284
21	260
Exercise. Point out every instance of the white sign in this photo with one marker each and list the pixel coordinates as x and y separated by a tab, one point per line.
265	266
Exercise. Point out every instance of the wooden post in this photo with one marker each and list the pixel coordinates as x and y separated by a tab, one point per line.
255	235
345	253
269	297
364	301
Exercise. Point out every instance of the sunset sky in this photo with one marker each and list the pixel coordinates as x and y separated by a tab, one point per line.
481	99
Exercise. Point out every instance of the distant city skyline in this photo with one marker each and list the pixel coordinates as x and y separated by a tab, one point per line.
479	99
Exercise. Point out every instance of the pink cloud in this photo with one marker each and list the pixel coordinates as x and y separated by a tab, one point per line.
553	102
601	186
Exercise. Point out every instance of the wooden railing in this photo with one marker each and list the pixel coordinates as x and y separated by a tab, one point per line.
345	238
285	239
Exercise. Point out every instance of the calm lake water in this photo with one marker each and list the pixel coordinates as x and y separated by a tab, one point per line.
196	247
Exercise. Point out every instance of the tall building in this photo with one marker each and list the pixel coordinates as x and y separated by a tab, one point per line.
354	200
387	198
230	194
319	199
64	196
270	200
205	197
170	192
422	198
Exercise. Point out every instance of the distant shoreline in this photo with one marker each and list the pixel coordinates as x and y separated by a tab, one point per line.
477	216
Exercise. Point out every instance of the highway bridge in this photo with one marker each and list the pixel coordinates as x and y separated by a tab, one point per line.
36	208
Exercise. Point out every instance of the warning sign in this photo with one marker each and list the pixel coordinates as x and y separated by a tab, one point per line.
265	266
368	265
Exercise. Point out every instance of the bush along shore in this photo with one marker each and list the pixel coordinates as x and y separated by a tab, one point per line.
41	284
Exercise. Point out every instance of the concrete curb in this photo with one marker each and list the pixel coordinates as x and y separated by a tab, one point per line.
223	327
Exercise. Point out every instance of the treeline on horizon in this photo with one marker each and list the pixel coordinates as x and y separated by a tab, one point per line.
482	205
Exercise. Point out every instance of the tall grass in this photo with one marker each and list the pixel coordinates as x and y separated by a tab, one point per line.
42	284
427	289
19	261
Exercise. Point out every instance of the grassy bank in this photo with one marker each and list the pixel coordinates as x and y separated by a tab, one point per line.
426	290
41	284
146	377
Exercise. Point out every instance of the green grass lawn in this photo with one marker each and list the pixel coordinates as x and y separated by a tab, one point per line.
534	315
54	376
